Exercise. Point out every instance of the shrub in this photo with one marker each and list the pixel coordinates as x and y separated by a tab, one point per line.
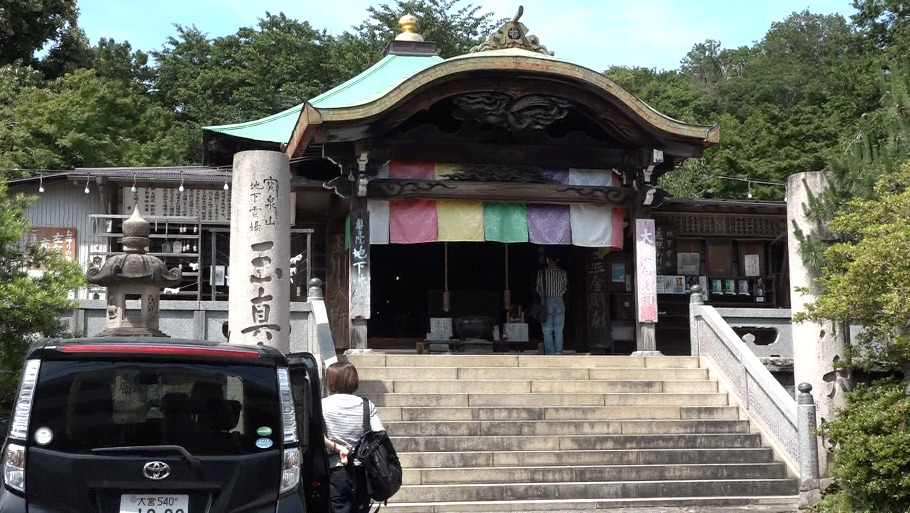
871	437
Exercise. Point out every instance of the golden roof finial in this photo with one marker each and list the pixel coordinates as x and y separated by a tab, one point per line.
409	25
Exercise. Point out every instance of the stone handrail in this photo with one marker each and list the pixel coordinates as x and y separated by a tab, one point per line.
321	344
761	396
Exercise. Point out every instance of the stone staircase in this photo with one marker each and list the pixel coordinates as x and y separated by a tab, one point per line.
532	433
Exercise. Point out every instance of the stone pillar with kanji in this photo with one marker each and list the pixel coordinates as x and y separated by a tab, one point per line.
259	272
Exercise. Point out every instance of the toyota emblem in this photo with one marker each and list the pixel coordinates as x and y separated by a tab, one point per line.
156	470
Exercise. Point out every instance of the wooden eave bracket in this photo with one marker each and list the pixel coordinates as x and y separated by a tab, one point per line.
307	123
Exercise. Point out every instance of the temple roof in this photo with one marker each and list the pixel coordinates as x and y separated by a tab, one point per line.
409	80
366	87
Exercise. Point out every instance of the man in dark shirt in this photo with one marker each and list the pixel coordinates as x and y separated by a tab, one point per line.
551	286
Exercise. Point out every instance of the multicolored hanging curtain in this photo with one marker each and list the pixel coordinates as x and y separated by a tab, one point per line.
411	221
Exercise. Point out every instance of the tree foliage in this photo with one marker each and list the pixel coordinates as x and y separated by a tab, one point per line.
27	25
85	120
866	277
35	284
871	437
248	75
453	27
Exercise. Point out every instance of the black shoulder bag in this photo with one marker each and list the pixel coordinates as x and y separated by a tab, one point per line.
376	457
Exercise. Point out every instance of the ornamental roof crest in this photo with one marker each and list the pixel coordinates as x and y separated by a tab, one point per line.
513	34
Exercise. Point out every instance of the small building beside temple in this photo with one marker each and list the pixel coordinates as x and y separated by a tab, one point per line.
425	190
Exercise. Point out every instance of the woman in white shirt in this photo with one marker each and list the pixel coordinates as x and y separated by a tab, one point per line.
343	413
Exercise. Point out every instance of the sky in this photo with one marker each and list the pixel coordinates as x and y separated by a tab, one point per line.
593	33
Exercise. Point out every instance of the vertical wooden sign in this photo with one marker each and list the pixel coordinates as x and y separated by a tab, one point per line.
597	299
646	270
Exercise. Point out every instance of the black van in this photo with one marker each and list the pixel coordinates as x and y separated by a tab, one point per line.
165	426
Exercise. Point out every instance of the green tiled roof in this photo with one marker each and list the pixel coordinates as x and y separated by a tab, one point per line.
275	128
368	86
375	82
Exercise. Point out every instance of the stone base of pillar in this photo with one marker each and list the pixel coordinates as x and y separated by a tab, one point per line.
359	351
647	353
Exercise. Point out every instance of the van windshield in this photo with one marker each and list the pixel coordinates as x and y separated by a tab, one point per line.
207	409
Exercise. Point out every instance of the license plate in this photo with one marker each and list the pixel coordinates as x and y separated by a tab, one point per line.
154	503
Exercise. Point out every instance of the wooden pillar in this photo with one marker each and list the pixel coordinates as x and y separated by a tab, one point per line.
359	273
645	248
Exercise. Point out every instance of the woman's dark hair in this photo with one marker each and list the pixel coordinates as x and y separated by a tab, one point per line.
341	378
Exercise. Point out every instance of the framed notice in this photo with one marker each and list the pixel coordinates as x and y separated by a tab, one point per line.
59	239
688	263
717	286
744	288
618	273
752	265
441	328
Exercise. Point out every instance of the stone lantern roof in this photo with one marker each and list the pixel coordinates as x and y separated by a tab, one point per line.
134	275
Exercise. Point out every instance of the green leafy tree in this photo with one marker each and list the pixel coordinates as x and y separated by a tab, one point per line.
878	148
31	302
82	119
870	435
866	276
455	29
244	76
251	74
885	22
70	52
27	25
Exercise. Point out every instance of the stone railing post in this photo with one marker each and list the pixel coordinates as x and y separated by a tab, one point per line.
695	301
315	290
809	492
322	345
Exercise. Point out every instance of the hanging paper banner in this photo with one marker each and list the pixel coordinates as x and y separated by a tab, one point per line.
460	221
379	214
593	225
505	222
379	221
549	224
646	266
412	221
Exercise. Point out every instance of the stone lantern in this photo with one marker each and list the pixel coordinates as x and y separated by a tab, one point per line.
136	277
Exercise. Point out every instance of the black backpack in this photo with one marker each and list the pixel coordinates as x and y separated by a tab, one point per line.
376	457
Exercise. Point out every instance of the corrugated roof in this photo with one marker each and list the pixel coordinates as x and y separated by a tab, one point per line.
373	83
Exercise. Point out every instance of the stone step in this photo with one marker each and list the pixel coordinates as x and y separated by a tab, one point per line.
526	433
755	504
573	442
592	489
529	413
373	360
563	427
493	399
456	459
370	386
533	373
586	473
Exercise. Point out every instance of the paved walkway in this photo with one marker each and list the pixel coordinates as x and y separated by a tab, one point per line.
708	509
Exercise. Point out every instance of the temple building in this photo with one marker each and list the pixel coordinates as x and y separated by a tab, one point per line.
426	191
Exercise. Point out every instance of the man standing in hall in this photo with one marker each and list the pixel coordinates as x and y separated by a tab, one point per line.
551	286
